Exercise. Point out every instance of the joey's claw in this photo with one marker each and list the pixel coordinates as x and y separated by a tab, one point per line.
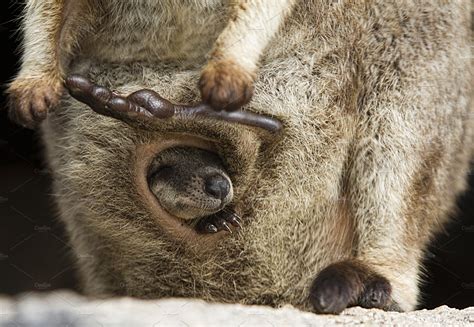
235	221
221	221
224	226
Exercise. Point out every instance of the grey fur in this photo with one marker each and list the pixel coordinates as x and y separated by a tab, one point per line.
376	99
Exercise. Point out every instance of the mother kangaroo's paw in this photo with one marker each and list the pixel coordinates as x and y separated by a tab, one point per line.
225	85
225	220
30	99
349	283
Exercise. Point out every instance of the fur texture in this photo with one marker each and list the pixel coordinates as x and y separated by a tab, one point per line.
58	31
376	100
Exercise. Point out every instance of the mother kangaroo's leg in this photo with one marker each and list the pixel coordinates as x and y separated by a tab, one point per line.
409	157
400	187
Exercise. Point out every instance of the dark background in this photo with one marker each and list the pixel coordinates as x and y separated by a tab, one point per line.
34	255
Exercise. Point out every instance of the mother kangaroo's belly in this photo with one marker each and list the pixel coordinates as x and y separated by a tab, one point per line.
151	30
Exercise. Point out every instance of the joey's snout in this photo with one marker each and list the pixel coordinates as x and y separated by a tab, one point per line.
190	182
217	186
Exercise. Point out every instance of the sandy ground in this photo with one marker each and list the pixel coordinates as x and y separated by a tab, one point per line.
68	309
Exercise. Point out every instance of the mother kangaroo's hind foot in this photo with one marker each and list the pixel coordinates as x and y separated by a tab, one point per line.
350	283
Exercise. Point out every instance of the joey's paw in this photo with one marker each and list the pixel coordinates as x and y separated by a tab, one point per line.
30	99
225	220
349	283
225	85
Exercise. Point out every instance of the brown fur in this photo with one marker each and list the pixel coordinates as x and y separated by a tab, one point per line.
376	100
58	31
225	85
51	36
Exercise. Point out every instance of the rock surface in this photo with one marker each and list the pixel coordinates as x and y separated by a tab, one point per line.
68	309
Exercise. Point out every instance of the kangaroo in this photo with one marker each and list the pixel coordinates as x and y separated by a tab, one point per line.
191	183
336	210
57	31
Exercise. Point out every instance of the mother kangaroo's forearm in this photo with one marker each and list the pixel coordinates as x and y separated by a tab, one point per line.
42	25
252	25
38	84
227	80
51	32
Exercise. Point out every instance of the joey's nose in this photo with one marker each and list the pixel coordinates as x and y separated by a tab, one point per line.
217	186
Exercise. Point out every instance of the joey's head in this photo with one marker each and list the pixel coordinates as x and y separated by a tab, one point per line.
190	182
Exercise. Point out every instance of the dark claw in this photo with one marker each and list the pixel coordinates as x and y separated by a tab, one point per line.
235	221
225	226
147	105
219	222
231	217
